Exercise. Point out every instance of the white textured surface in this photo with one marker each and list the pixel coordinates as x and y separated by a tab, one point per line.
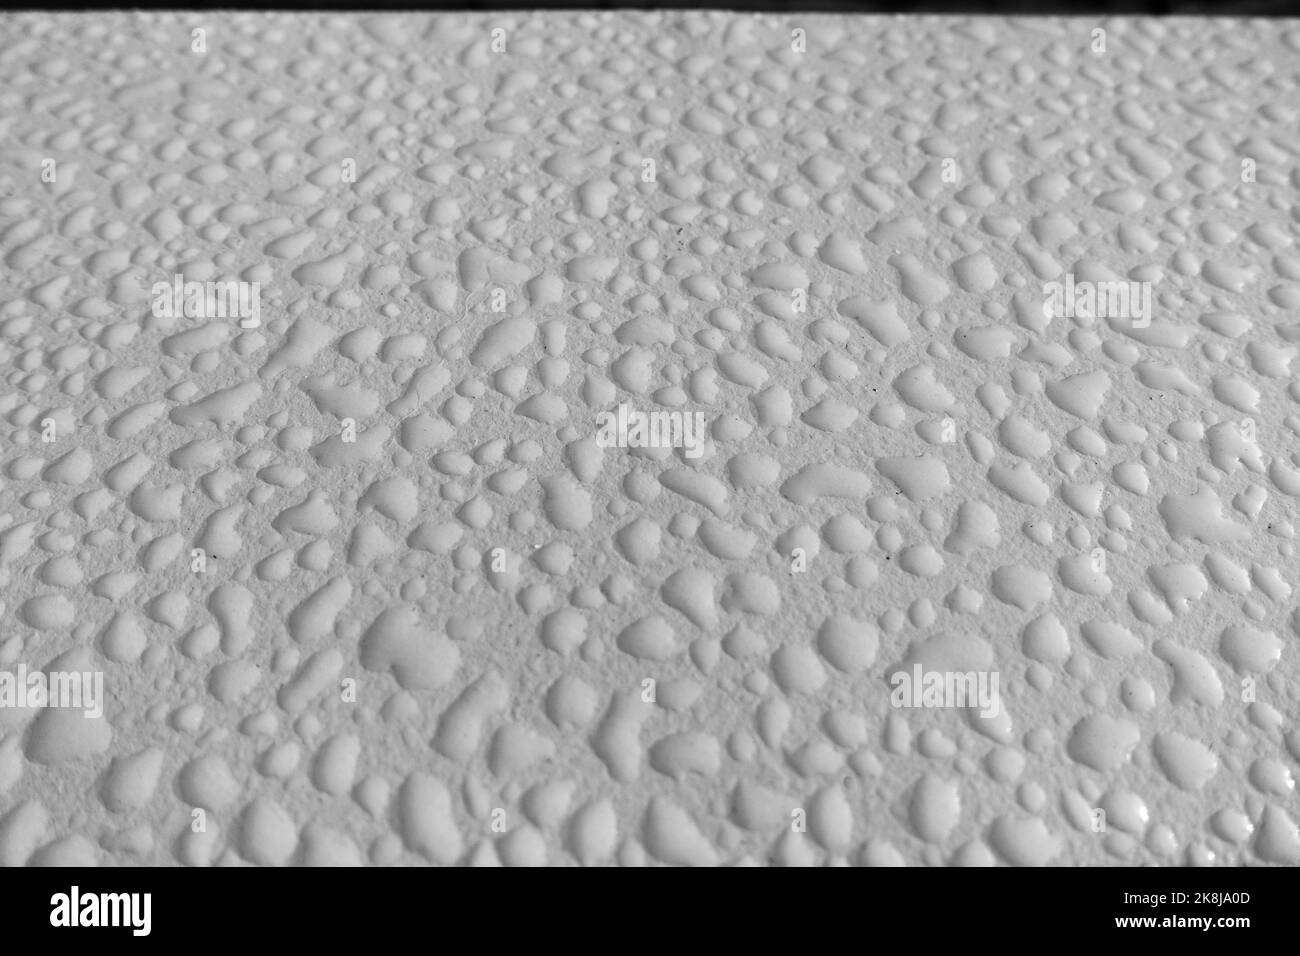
521	690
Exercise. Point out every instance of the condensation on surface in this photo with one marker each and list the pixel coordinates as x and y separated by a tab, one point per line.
365	583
